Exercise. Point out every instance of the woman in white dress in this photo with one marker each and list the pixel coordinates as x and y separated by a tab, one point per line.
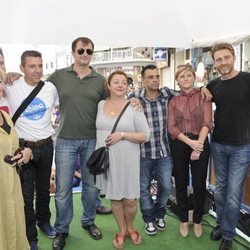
122	184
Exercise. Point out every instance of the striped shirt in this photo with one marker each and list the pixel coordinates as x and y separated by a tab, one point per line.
156	113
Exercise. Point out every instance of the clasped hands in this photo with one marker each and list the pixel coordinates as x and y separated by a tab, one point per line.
197	147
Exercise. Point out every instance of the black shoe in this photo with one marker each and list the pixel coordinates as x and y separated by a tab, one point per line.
93	231
216	233
103	210
226	245
59	241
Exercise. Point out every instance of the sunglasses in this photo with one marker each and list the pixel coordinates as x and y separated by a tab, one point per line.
88	51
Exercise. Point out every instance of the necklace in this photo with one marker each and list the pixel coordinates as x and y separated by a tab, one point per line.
115	109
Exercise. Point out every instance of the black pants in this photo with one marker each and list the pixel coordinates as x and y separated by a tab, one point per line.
181	161
36	177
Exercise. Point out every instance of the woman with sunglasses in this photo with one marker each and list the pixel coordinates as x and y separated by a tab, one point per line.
12	222
122	185
189	122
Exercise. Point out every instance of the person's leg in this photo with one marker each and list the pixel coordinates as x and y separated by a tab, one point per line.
27	183
239	161
89	190
199	176
130	208
65	158
118	212
42	183
181	158
146	202
221	167
163	174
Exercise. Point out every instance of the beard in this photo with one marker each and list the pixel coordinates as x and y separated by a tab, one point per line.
225	70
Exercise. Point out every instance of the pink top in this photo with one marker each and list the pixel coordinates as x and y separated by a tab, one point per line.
188	113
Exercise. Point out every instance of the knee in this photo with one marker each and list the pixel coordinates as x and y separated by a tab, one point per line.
130	202
166	186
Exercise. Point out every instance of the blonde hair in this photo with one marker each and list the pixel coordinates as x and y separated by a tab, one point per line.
184	68
2	75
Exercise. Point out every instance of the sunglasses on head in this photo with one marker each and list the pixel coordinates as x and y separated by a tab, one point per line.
88	51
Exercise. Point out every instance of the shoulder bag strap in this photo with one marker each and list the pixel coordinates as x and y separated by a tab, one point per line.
119	117
27	101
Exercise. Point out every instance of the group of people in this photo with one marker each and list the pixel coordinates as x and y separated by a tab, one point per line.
170	134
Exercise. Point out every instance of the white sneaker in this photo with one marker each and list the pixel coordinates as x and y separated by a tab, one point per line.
150	228
160	224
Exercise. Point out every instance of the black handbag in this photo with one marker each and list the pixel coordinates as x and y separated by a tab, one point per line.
98	162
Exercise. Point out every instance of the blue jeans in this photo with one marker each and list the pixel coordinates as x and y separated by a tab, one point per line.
161	170
231	165
98	202
67	151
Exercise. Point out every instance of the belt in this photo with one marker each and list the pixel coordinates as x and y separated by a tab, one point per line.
189	135
35	143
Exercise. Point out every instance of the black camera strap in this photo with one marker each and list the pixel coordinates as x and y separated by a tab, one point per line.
27	101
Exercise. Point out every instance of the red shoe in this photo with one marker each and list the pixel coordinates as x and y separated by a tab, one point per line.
119	239
135	237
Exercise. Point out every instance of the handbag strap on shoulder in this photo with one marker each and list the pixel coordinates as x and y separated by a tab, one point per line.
119	117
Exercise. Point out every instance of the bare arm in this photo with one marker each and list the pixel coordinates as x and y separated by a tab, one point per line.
206	94
137	137
11	77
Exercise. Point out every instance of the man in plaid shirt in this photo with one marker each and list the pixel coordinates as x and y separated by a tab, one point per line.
156	160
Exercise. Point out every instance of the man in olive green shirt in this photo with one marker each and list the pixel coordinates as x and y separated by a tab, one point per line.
80	88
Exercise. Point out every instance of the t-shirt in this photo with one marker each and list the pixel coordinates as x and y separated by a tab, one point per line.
35	122
78	102
232	115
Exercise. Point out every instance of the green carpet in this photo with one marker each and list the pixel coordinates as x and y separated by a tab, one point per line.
170	239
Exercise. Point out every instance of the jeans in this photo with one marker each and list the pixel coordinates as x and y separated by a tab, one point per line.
67	151
181	160
36	177
161	170
231	165
98	202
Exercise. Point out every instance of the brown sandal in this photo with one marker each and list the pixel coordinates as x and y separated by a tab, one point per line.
135	237
119	239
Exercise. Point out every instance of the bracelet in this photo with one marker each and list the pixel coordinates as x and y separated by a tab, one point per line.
123	136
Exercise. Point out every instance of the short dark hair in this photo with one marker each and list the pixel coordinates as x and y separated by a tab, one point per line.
84	40
149	66
29	53
220	46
